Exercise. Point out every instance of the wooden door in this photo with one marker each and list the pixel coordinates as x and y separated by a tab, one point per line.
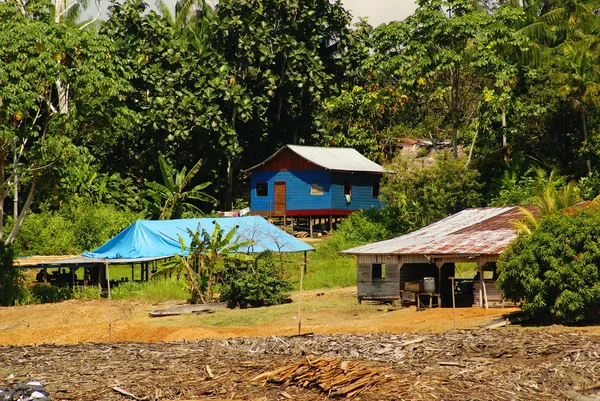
280	207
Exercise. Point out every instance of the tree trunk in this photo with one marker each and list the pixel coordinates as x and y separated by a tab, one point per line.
454	111
503	125
588	163
24	211
16	179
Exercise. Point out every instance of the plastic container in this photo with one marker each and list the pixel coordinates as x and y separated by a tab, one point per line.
429	284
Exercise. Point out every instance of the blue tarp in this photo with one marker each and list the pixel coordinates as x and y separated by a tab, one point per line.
155	238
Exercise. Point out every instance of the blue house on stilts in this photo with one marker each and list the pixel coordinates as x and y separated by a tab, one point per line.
315	183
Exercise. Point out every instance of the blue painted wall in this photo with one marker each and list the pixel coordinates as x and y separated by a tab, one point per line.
298	184
362	191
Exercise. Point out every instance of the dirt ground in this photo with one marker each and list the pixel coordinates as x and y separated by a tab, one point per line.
323	312
198	357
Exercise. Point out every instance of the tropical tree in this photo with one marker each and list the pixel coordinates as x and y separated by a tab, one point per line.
38	57
170	198
204	258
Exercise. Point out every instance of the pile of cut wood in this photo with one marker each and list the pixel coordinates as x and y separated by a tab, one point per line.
333	376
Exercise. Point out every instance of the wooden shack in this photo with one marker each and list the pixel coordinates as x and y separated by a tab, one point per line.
314	182
395	268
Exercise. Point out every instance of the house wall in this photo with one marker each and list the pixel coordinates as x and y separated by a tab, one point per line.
385	288
362	191
298	194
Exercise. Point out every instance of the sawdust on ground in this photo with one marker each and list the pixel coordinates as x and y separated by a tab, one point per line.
323	312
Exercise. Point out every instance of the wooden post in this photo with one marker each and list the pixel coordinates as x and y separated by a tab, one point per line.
72	277
310	226
453	304
45	275
132	272
300	296
109	303
482	280
305	263
330	224
292	225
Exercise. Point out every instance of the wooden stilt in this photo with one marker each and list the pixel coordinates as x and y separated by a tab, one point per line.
292	225
310	226
72	278
132	271
482	278
330	224
453	303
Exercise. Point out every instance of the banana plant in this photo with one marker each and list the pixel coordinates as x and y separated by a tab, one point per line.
203	259
170	198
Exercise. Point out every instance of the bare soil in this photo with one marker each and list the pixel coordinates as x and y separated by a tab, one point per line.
66	347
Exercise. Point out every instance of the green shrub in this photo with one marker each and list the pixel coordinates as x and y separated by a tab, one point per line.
12	283
555	271
426	195
256	284
73	229
45	294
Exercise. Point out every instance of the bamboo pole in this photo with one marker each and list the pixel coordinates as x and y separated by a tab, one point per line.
109	303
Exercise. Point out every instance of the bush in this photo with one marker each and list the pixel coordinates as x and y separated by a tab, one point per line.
12	283
555	270
426	195
45	294
257	284
71	230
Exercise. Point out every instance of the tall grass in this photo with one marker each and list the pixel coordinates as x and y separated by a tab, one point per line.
152	291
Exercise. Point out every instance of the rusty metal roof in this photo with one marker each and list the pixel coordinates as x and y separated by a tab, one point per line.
336	159
471	232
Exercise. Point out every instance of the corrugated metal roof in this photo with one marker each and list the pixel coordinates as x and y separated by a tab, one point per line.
336	159
481	231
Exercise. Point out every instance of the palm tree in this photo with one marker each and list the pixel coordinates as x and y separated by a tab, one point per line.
170	198
549	199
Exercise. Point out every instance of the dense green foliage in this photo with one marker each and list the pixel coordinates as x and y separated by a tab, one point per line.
71	230
104	123
555	270
260	283
12	291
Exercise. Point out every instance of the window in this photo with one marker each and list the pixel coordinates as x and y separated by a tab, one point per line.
375	191
378	271
262	189
316	189
347	188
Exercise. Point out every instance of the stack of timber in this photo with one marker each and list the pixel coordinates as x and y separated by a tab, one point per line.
332	376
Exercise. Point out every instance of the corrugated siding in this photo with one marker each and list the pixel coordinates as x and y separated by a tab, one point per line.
362	191
298	184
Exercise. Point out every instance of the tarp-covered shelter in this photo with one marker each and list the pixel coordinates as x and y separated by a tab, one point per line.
160	238
474	235
146	241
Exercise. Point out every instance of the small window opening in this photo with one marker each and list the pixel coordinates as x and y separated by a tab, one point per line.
316	189
347	188
375	192
262	189
378	271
